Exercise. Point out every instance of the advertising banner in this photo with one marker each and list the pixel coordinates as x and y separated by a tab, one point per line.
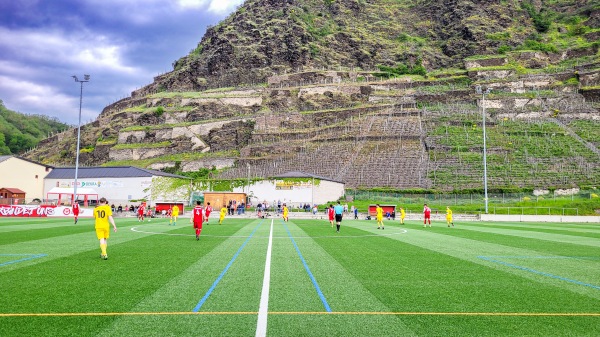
41	211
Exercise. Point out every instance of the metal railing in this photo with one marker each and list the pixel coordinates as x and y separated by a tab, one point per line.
535	211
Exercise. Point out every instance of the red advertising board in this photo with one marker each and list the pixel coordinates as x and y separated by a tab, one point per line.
160	206
39	211
386	208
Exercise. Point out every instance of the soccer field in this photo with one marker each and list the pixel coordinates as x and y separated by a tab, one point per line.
251	277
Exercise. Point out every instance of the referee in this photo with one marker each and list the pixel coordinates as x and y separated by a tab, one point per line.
339	211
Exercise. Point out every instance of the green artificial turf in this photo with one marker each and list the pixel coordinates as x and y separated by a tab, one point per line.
476	279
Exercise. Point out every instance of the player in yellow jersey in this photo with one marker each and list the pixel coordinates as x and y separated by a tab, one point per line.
449	216
174	215
222	214
402	215
285	213
103	216
379	211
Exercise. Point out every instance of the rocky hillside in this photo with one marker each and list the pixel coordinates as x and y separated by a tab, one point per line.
374	93
273	36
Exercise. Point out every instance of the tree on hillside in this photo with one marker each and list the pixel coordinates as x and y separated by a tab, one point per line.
19	132
3	148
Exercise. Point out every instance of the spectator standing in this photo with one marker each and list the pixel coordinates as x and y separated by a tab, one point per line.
232	208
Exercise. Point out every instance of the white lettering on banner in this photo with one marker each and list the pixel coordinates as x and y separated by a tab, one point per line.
46	210
40	211
18	210
292	185
95	184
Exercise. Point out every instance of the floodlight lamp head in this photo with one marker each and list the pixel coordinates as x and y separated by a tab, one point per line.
75	78
86	77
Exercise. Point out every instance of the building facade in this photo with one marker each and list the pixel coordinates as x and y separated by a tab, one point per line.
118	184
25	175
294	189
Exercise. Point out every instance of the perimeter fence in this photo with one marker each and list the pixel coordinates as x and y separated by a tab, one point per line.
552	203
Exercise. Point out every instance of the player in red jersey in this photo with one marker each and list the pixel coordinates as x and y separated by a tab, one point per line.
207	211
76	210
197	219
330	214
427	213
141	212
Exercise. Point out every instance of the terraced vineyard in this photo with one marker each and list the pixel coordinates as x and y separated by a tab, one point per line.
530	153
372	101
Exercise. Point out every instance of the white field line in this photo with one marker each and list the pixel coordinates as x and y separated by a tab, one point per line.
263	310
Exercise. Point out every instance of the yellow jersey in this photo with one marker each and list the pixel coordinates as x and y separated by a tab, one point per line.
175	211
448	212
101	214
379	211
402	213
223	212
285	211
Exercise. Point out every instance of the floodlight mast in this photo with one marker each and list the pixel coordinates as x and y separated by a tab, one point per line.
482	92
86	78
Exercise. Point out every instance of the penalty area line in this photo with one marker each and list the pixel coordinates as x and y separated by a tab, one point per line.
324	313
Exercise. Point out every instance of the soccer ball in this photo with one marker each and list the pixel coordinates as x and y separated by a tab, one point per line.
149	220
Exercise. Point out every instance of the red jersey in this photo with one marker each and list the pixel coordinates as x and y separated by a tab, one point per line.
197	214
427	211
141	210
208	210
75	209
331	213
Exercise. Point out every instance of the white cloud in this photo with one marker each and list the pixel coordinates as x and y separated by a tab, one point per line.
215	6
26	96
87	51
139	10
121	44
11	68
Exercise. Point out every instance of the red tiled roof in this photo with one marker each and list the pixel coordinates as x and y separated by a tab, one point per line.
13	190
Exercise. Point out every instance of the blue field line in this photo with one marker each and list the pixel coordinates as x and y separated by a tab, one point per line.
29	257
312	278
487	258
214	285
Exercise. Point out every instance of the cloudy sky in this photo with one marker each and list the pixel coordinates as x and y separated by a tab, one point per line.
121	44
